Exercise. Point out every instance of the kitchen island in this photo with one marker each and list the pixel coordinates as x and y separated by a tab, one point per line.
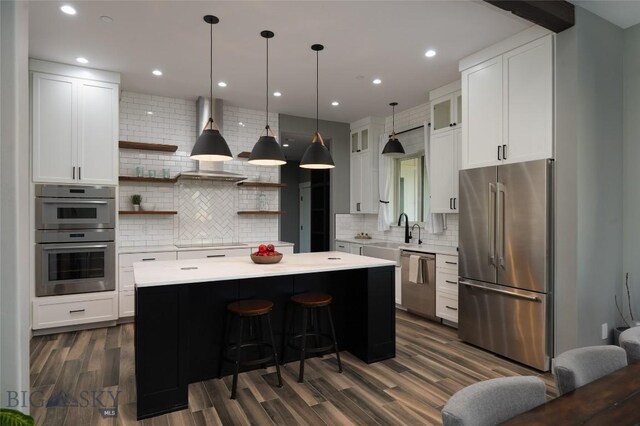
181	311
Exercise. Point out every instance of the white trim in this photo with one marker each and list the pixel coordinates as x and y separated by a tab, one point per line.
530	34
73	71
445	90
366	121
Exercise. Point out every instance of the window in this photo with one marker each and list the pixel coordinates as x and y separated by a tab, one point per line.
410	187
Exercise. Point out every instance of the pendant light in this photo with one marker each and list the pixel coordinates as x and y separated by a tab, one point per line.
210	145
317	156
393	148
267	151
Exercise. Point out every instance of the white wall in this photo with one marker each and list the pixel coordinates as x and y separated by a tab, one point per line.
14	200
631	156
589	180
207	210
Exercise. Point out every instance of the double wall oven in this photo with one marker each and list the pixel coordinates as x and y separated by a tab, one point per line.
75	239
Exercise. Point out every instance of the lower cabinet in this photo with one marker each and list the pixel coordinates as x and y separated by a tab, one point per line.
355	249
447	287
61	311
398	285
343	247
127	303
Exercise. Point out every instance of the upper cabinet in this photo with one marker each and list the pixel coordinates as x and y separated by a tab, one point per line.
74	125
507	101
444	147
364	165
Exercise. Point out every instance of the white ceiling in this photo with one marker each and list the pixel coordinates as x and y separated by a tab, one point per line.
621	13
368	39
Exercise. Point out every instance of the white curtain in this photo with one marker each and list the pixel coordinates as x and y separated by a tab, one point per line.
385	181
434	222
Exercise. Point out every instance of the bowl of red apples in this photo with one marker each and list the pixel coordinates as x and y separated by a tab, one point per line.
266	254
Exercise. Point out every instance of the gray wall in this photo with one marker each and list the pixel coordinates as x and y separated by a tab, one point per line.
15	248
339	133
289	202
631	151
589	180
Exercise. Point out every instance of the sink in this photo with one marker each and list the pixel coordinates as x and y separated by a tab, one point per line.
388	251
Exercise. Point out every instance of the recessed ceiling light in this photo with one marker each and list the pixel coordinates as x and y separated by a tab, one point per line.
156	72
107	19
377	81
430	53
335	103
241	124
149	112
286	145
69	10
82	60
277	94
222	84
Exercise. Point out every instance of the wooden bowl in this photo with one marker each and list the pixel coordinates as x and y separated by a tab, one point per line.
265	260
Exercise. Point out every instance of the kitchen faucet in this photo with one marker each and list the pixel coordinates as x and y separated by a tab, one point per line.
407	236
419	233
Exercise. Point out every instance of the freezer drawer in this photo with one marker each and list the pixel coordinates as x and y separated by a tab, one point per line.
513	323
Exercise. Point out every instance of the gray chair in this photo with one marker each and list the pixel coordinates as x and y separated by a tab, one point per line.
630	342
578	367
493	401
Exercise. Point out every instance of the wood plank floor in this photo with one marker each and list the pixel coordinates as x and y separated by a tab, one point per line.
431	364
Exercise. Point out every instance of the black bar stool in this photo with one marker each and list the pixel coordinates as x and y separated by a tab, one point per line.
252	311
311	305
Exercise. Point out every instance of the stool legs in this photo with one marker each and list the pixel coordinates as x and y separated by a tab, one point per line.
236	369
275	353
303	345
335	342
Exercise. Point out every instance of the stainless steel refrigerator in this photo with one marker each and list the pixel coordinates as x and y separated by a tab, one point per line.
505	260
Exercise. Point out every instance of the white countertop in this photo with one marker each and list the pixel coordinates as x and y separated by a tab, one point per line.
156	249
169	272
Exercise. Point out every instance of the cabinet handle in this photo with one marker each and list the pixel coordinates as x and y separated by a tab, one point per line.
450	263
75	311
450	124
451	282
357	207
216	255
450	307
499	147
450	203
504	152
79	173
74	173
454	203
148	259
455	124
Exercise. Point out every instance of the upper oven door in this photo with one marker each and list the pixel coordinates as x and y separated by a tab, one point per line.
56	213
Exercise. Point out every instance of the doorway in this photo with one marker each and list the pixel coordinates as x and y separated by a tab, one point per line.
305	217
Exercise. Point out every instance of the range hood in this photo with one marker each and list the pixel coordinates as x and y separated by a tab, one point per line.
210	170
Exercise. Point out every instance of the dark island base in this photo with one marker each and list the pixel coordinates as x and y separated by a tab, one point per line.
179	328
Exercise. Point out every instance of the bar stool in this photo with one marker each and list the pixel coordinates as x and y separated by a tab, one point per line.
252	311
311	305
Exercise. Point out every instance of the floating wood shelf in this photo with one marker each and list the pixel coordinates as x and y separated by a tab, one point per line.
147	179
244	154
262	184
256	212
148	146
147	212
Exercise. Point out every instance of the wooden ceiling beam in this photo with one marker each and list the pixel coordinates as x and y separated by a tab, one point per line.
555	15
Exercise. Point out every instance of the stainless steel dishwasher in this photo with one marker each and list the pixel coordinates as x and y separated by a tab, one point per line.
420	298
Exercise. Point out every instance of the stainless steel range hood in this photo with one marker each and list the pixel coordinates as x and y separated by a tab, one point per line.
210	170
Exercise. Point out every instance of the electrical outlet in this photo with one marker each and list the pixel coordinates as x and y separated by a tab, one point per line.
605	331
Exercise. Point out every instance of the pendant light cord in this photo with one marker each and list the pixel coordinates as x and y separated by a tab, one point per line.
393	120
211	76
267	93
317	90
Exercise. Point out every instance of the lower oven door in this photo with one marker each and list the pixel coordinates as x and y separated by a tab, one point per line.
73	268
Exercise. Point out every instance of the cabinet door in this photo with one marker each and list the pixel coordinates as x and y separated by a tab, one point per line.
355	173
528	101
457	164
442	159
355	249
482	109
398	285
457	103
441	114
54	128
98	133
355	143
368	185
364	140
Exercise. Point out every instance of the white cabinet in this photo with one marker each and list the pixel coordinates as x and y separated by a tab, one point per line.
398	285
60	311
446	112
355	249
363	164
343	247
447	287
74	130
508	105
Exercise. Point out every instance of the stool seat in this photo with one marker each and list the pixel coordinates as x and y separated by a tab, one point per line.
249	308
312	300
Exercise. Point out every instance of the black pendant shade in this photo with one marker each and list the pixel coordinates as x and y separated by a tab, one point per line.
267	151
317	156
210	145
393	148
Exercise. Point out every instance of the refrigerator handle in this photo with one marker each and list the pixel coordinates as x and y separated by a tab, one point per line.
508	293
500	208
492	223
